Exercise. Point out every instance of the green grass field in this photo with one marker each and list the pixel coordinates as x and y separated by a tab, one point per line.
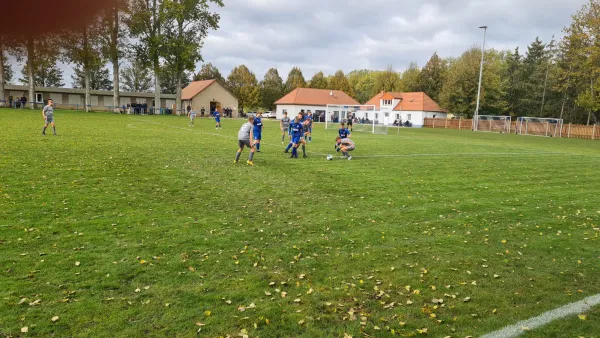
136	226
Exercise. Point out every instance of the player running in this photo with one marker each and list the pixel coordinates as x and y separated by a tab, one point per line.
217	119
245	137
258	127
48	116
191	116
345	145
284	125
297	138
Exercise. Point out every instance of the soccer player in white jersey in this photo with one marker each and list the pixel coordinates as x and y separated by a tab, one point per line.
345	145
48	116
245	138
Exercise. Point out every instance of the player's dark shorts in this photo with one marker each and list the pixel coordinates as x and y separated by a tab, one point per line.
349	122
49	118
244	143
218	120
296	139
257	136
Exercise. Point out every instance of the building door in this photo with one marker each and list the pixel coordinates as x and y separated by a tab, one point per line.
215	106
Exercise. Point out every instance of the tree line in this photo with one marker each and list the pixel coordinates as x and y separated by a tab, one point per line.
161	39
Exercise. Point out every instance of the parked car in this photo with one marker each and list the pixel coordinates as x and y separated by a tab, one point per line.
269	115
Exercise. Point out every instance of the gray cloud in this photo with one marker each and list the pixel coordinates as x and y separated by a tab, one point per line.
329	35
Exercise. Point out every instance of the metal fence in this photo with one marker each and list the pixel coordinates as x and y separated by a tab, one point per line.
580	131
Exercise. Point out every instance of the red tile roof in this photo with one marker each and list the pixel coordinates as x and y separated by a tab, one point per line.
316	97
195	88
417	101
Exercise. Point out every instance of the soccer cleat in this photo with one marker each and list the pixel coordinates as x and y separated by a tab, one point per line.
286	151
349	158
250	163
304	156
235	162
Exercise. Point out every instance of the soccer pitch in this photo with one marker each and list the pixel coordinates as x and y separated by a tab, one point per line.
142	226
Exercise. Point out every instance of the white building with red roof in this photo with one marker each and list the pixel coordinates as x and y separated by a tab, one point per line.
315	100
411	107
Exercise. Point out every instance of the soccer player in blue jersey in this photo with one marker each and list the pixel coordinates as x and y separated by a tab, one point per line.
297	138
217	119
258	127
343	133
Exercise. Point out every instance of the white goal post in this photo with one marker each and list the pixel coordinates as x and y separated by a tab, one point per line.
366	118
538	126
493	123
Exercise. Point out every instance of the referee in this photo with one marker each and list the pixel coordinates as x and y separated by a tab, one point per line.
350	118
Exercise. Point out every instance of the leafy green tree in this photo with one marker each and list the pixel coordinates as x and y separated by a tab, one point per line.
186	24
243	84
6	72
339	81
271	88
146	25
318	81
136	77
362	82
81	47
170	79
209	72
112	41
29	49
580	64
46	74
459	93
432	77
411	78
295	80
387	81
96	77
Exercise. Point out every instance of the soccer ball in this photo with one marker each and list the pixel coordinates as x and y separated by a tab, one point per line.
329	157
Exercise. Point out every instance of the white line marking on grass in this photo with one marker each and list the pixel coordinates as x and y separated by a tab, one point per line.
545	318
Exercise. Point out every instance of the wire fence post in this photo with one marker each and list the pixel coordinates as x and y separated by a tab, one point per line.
593	131
569	131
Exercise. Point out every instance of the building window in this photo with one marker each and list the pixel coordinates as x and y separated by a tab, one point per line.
387	114
387	102
409	117
397	116
39	97
376	116
367	116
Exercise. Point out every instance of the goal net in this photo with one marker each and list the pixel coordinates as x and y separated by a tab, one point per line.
538	126
493	123
365	118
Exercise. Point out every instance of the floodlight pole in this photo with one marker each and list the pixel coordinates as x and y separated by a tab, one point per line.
476	116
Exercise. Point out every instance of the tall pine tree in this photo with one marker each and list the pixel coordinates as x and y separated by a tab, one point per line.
432	77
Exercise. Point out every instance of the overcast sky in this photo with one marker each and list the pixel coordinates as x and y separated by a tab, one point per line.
327	35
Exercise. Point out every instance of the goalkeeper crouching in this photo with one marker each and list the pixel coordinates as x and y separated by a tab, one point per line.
345	145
